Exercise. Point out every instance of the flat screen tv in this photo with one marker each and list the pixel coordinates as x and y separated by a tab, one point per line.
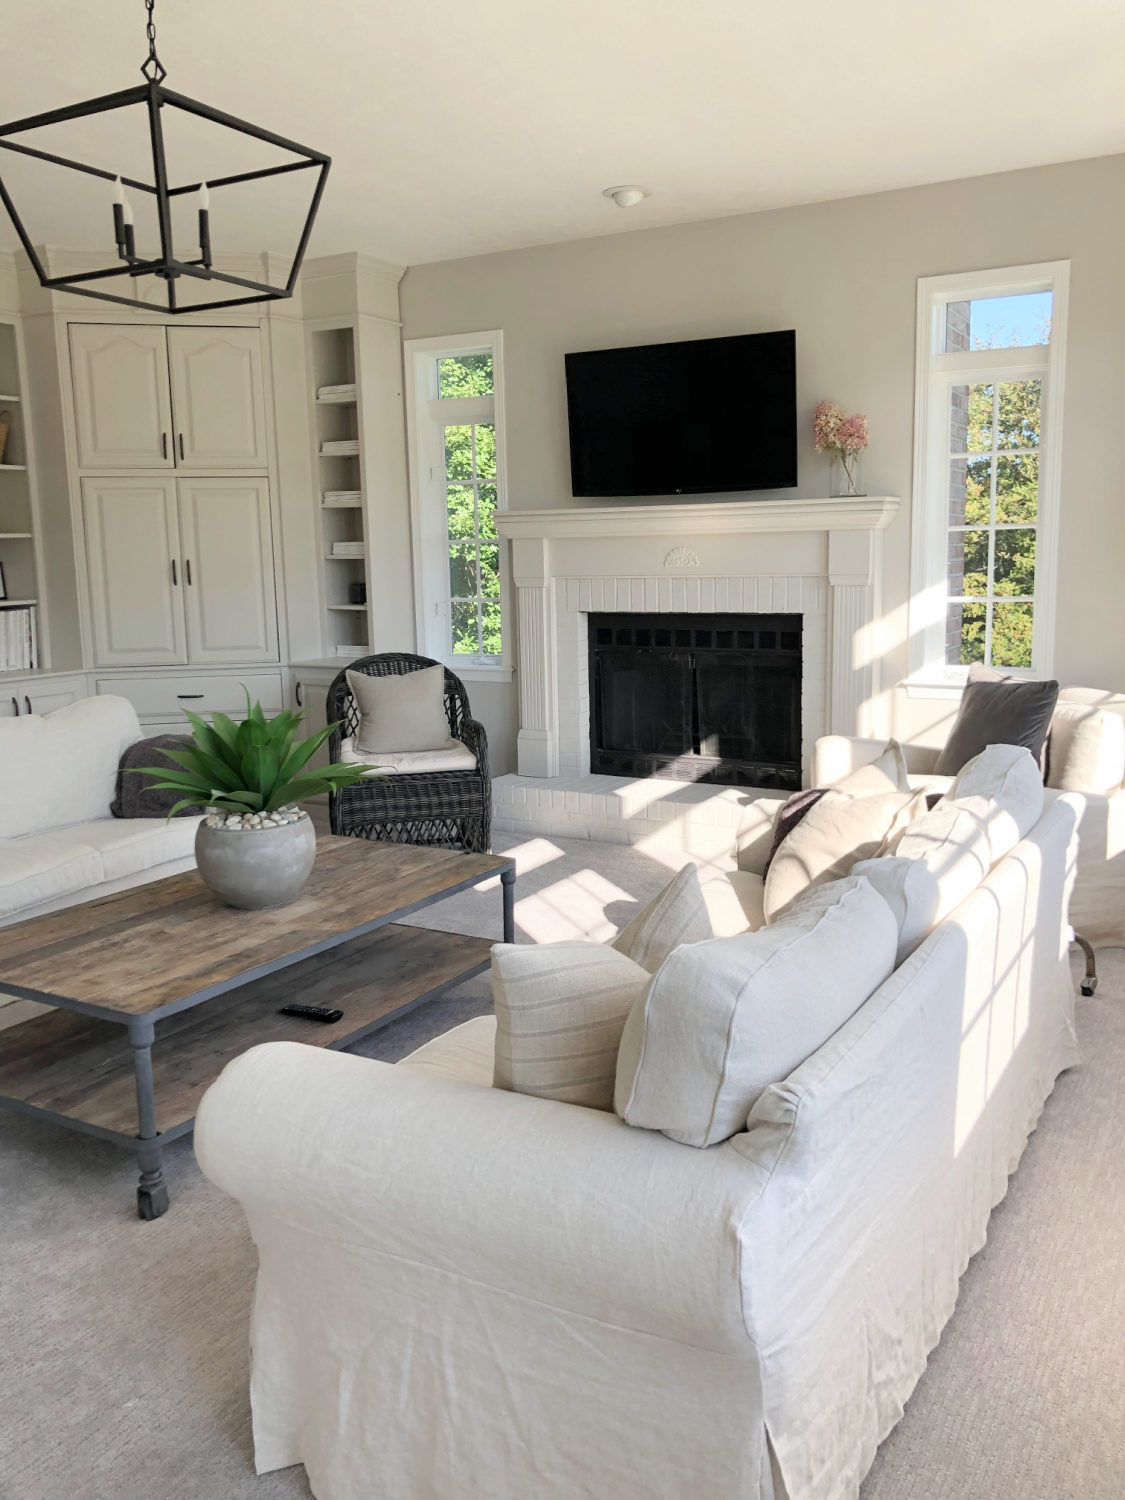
694	418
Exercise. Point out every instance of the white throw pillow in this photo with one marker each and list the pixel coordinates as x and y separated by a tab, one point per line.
560	1012
1003	787
399	715
723	1020
886	773
940	860
1086	749
833	835
61	768
677	915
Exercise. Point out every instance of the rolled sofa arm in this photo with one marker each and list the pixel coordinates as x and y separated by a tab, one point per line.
565	1205
837	755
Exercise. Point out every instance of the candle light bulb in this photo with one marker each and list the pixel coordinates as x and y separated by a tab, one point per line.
127	210
118	191
204	198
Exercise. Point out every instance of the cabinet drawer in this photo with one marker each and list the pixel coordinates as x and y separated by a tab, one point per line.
163	697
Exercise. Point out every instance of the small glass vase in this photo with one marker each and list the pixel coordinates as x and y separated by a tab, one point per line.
845	476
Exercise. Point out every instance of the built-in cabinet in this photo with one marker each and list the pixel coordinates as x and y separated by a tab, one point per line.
180	570
28	695
149	397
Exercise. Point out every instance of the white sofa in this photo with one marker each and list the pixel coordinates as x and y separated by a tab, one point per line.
59	844
1097	910
476	1293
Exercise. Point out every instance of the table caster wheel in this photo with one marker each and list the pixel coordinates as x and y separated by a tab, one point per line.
152	1202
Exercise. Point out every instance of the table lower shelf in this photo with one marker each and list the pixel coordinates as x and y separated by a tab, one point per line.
79	1071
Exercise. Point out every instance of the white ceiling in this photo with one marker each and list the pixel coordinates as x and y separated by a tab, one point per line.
458	128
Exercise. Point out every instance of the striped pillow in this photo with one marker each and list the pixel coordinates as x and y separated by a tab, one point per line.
678	915
560	1012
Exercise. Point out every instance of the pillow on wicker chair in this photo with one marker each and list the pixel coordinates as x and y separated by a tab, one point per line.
401	714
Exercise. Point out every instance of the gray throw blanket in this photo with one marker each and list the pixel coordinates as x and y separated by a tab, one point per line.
135	795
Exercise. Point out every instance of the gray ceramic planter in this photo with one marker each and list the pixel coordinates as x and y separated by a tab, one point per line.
256	868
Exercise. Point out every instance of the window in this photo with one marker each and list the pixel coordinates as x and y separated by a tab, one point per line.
986	472
454	410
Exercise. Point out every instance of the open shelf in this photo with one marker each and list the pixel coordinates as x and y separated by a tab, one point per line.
336	421
350	609
15	468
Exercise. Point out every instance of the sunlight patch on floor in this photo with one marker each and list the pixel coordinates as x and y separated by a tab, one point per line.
571	909
529	856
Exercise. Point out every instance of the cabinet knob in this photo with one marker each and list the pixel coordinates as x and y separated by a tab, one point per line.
300	695
15	706
181	445
27	700
187	569
164	444
175	577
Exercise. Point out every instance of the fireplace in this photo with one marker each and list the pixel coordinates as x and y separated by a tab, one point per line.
697	697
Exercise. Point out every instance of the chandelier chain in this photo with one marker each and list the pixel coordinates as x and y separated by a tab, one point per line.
152	68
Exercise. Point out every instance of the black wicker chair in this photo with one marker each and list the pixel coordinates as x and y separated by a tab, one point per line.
448	809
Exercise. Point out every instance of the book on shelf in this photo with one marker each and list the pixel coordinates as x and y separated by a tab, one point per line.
340	448
336	393
18	647
348	549
352	652
347	498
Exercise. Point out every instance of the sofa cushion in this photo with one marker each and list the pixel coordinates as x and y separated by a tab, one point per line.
835	832
44	867
1003	787
1086	749
997	711
734	902
560	1011
401	714
937	862
127	846
136	796
61	768
723	1020
456	757
677	915
886	773
47	866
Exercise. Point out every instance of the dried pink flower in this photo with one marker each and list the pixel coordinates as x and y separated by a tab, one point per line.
851	435
834	432
826	422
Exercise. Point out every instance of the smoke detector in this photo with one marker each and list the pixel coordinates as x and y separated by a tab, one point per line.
627	195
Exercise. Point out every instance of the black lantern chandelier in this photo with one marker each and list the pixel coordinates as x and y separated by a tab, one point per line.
155	97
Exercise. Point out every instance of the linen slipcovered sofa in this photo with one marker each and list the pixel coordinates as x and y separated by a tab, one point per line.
467	1291
1097	908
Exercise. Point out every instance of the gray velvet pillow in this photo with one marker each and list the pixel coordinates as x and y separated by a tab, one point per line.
998	710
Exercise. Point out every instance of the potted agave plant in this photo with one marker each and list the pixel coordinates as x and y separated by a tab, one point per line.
256	847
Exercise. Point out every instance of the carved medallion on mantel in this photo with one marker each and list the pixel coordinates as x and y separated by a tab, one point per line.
682	557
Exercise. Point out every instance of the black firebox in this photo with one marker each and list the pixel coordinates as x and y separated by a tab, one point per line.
697	697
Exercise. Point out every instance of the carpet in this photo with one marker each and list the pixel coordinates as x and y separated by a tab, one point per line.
123	1346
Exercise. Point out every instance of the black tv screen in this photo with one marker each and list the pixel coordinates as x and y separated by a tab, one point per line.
692	418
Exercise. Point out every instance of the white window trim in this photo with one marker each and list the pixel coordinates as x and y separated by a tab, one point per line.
427	498
929	676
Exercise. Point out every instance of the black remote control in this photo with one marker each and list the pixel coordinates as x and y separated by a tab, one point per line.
312	1013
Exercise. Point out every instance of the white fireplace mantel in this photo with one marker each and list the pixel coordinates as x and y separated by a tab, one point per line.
707	518
820	558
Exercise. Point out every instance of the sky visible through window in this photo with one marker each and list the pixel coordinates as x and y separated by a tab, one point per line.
1010	322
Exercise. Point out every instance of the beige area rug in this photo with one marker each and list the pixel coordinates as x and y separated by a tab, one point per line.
123	1346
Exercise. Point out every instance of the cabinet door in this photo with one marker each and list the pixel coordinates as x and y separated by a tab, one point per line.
217	398
133	556
122	401
227	549
44	700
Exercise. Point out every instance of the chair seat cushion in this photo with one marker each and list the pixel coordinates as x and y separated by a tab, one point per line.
46	866
456	757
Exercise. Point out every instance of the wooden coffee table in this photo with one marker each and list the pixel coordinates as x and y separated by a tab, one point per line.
143	980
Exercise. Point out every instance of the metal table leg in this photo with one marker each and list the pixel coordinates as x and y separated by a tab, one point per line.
1090	979
508	891
152	1194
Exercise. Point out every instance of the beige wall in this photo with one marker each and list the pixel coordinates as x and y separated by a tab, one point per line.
843	274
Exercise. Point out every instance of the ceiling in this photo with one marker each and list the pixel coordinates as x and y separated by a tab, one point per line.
457	129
